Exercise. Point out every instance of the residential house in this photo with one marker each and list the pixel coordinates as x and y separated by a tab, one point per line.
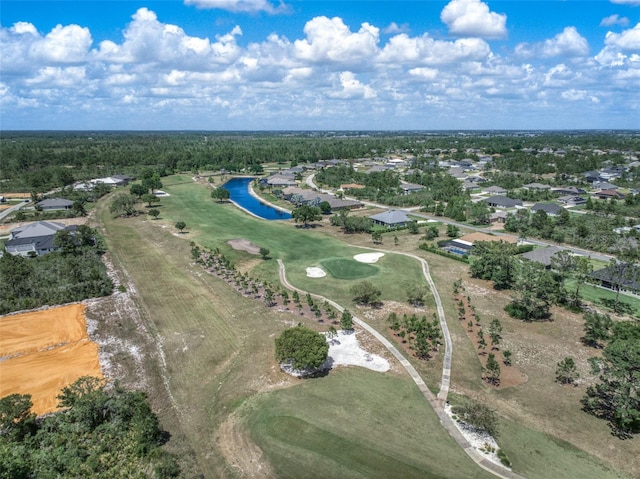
543	256
34	239
592	176
457	173
55	204
568	190
391	218
279	181
494	190
607	278
502	202
408	188
604	185
536	187
464	245
550	209
571	200
608	194
470	186
498	217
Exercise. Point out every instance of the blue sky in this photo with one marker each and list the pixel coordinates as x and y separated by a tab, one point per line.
327	65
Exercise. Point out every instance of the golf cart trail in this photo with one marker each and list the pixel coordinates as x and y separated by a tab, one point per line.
436	402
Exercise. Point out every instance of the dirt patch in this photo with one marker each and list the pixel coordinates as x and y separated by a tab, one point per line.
243	457
45	351
241	244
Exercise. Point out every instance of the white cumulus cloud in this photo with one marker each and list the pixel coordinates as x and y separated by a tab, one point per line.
403	49
628	40
330	40
351	87
626	2
238	5
614	19
568	43
473	18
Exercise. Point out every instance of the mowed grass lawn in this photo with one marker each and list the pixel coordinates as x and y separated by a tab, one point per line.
217	343
355	423
212	224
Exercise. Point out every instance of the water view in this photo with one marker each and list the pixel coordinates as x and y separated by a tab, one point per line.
239	189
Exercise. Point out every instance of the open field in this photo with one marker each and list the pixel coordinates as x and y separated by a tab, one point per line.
218	349
44	351
355	423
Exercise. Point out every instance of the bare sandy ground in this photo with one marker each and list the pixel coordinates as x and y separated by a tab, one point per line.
43	351
242	244
345	350
368	257
314	272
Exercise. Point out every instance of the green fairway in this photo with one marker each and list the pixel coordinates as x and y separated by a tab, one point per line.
212	224
348	268
355	423
539	456
218	347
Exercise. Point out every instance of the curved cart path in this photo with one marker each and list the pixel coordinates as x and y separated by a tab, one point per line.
435	402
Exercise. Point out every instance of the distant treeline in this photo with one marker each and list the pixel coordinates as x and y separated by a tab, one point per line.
39	161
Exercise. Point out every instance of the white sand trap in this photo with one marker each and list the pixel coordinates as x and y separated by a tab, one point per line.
368	257
315	273
345	350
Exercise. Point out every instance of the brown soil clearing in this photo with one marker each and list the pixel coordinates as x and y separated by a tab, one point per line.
44	351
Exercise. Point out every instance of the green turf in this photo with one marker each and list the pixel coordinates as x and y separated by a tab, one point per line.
348	268
355	423
212	224
598	295
539	456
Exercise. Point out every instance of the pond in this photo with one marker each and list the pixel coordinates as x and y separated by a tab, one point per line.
239	189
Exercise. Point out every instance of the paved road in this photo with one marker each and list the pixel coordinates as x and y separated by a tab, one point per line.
435	402
8	211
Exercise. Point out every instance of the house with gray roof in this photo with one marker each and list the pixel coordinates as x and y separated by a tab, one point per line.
391	218
537	187
568	190
55	204
572	200
610	278
502	202
551	209
543	256
34	239
495	190
408	188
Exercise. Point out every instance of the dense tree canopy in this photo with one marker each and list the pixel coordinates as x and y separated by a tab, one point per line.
616	397
302	348
100	434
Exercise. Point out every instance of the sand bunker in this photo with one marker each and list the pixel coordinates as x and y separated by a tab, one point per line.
244	245
315	273
44	351
368	257
345	350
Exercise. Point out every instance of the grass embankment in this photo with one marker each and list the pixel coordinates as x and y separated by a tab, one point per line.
355	423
